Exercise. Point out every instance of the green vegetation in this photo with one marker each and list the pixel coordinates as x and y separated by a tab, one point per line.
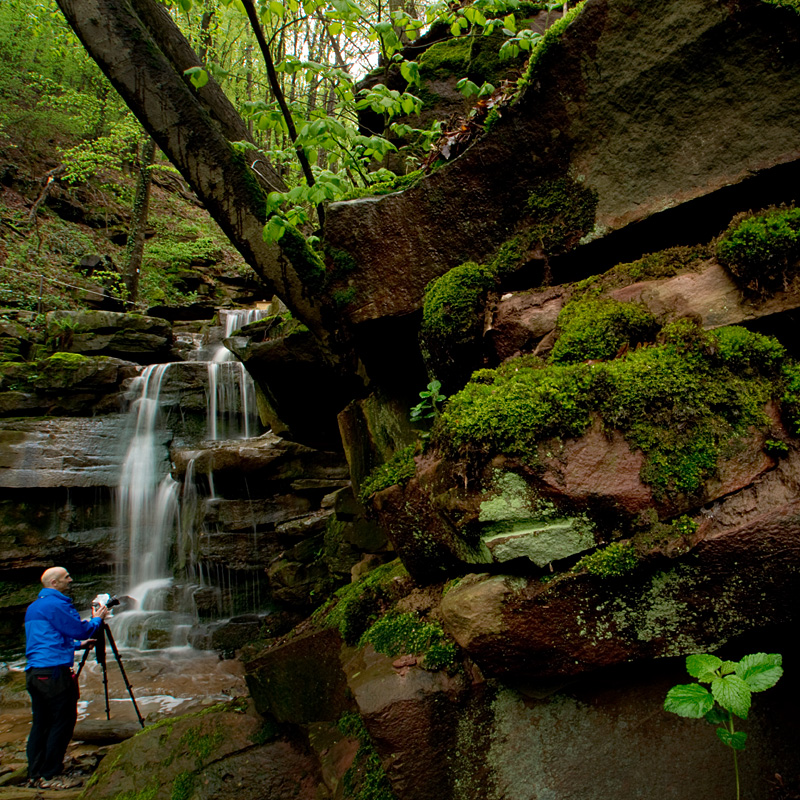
366	778
681	401
562	211
358	605
613	561
406	634
594	328
183	785
654	266
760	250
732	684
450	310
545	44
398	469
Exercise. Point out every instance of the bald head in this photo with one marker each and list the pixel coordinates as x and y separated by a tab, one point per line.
56	578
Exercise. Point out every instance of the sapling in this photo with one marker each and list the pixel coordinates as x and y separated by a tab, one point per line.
732	684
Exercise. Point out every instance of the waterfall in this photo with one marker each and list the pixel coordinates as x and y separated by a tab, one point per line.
147	497
231	393
154	512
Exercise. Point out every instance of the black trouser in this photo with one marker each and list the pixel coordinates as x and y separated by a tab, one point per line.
54	703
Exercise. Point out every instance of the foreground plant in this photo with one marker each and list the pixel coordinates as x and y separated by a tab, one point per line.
732	684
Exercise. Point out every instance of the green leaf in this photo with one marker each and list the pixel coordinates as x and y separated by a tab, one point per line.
727	667
702	666
197	75
716	716
511	23
455	29
274	229
335	28
733	694
760	671
689	700
410	71
735	740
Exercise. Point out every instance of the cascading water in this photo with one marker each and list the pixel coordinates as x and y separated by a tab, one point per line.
231	392
154	511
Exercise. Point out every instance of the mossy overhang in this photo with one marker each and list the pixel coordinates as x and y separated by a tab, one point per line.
648	106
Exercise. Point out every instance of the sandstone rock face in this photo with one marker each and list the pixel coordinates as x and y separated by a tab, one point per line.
210	755
687	95
300	681
739	578
145	340
64	384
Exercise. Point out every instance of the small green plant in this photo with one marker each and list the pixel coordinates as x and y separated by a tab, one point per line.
399	468
732	684
430	404
775	447
617	559
397	634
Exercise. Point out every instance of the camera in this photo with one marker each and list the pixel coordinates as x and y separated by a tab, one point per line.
107	600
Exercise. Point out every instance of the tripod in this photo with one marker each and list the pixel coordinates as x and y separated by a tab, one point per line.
102	633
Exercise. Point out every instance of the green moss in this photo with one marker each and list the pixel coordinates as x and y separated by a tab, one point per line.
793	4
201	744
68	359
451	302
545	45
399	468
343	297
183	786
760	250
358	605
145	794
775	447
791	395
619	558
654	266
306	262
598	328
365	779
683	402
563	212
406	634
397	184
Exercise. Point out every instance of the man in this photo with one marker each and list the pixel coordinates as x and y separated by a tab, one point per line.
53	631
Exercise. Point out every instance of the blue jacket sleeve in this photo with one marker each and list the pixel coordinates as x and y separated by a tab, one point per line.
66	621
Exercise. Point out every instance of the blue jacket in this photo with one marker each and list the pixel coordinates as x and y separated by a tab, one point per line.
51	627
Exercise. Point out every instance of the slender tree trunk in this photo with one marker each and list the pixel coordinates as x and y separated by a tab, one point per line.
141	205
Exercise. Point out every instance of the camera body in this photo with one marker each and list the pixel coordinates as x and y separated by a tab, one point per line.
107	600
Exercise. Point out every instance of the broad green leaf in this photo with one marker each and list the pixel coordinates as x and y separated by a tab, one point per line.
733	694
716	716
197	75
410	71
511	23
735	740
274	229
335	28
760	671
277	8
701	666
727	667
689	700
455	29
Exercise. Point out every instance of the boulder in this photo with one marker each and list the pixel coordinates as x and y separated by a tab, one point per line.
578	622
134	337
217	753
690	102
300	680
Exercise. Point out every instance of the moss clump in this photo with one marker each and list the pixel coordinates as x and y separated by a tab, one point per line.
619	558
366	778
183	786
682	401
760	250
545	44
598	328
201	744
399	468
452	301
306	262
791	394
406	634
69	359
358	605
563	212
662	264
397	184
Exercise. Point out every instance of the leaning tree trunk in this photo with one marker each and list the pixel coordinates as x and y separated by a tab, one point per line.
144	62
141	206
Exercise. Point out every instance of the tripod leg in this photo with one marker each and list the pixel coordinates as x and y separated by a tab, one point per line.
124	675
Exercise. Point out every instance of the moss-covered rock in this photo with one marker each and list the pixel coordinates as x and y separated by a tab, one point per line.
193	758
